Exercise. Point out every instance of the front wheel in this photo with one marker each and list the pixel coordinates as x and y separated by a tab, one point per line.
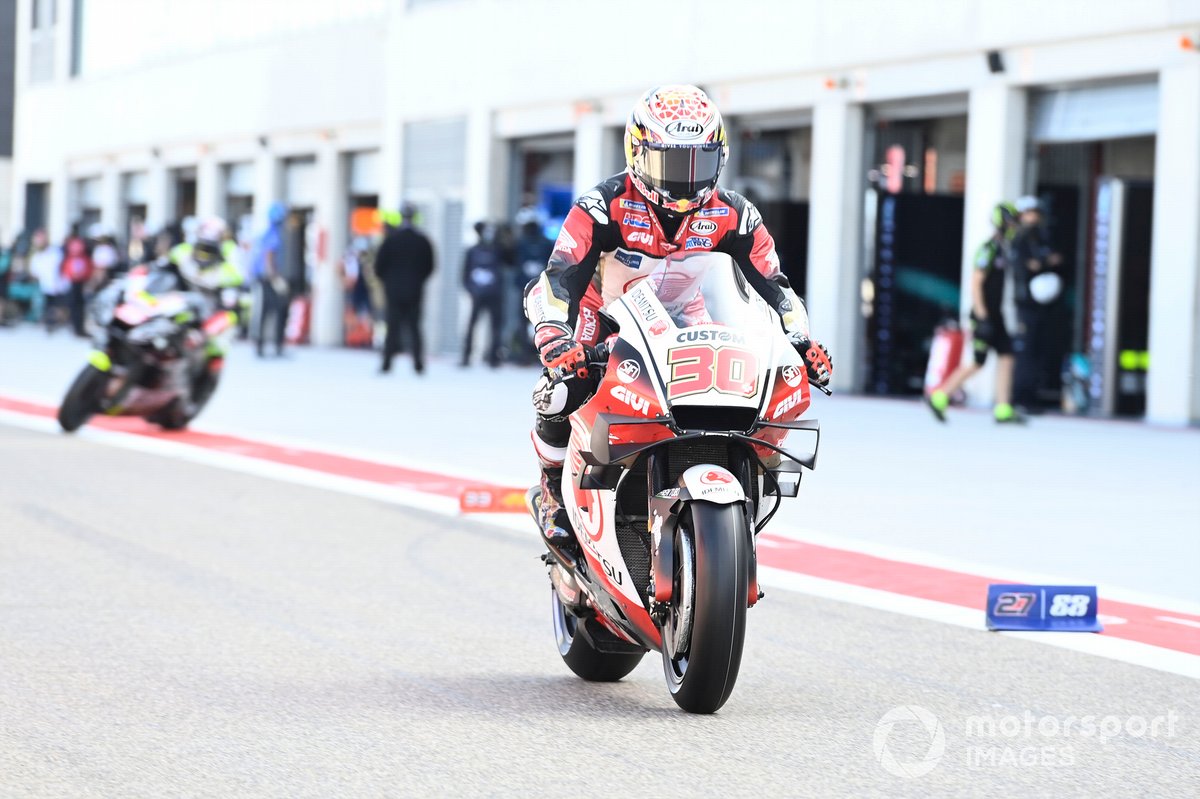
83	399
579	654
179	414
706	623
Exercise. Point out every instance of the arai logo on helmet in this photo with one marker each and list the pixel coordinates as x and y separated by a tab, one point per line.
704	227
628	370
685	129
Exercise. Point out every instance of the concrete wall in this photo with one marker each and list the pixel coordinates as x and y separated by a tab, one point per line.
521	68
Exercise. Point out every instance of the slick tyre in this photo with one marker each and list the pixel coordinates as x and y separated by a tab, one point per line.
172	417
178	415
83	399
578	653
706	623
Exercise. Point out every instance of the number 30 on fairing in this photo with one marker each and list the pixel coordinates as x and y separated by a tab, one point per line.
698	368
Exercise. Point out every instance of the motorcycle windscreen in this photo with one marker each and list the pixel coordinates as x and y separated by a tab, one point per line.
722	332
707	289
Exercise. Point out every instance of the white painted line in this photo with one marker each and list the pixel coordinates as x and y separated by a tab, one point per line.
1103	646
1139	654
298	443
922	558
806	535
1173	620
244	464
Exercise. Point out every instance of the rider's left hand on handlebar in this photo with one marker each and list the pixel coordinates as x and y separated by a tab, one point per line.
816	358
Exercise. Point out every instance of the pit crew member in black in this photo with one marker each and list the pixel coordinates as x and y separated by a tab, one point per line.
665	205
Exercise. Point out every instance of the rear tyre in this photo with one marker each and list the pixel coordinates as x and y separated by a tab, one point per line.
83	399
579	654
706	623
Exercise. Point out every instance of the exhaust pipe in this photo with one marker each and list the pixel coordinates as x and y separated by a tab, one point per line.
566	587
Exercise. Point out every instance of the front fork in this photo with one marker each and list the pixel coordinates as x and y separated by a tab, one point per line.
667	503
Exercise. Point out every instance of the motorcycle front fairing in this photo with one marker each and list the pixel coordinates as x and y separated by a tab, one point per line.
145	339
700	357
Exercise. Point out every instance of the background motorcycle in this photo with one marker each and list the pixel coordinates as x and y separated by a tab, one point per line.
155	357
674	465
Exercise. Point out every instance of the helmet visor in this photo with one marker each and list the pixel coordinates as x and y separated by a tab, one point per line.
682	172
207	252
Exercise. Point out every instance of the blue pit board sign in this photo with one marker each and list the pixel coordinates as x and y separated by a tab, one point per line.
1058	608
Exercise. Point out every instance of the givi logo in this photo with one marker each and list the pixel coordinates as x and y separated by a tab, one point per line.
635	401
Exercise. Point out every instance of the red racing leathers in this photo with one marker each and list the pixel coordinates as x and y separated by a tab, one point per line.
612	238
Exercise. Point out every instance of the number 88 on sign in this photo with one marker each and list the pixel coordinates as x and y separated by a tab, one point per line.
1062	608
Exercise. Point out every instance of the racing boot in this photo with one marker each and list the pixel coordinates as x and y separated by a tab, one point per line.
552	518
1005	413
938	402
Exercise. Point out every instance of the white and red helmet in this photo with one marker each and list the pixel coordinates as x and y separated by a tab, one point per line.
675	147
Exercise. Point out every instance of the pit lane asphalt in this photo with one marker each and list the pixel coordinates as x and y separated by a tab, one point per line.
168	628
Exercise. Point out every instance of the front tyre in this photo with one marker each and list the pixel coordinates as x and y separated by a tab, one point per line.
579	654
83	399
179	414
706	624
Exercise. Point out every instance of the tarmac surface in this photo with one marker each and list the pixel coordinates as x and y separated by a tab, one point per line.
177	629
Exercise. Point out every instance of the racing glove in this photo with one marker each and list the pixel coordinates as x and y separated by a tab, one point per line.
558	350
816	358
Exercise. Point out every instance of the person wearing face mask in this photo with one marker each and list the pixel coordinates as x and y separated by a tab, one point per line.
482	277
1034	262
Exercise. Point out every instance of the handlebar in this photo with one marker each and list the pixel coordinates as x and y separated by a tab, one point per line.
594	357
597	356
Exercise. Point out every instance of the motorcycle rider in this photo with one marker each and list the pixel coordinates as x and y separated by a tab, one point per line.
204	264
666	204
204	267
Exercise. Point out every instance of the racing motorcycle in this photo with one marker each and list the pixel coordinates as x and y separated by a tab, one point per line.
674	465
156	357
